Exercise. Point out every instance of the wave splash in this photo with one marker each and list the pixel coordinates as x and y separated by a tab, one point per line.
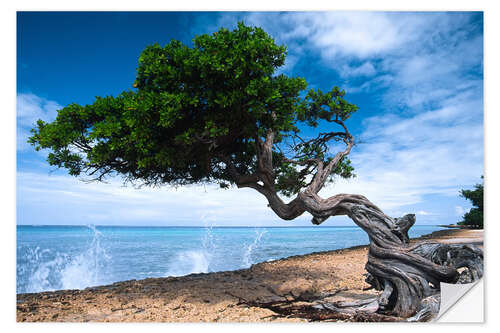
86	269
48	271
211	258
194	261
189	262
247	257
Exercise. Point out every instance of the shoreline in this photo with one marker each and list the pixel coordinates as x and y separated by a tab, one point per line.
219	296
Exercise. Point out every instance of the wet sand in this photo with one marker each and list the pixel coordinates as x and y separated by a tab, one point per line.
222	296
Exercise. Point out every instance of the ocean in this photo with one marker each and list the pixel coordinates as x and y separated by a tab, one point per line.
77	257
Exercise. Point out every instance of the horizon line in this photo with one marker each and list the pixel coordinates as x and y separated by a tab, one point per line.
202	226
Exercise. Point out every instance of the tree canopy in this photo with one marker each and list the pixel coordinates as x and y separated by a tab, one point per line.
474	217
202	114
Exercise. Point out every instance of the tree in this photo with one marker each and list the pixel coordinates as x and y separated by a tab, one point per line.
474	217
216	112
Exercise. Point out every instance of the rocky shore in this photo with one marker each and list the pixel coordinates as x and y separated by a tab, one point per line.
266	292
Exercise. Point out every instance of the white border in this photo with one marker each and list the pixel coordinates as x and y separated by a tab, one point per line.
8	31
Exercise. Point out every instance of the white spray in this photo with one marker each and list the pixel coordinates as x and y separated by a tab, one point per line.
196	261
247	257
62	271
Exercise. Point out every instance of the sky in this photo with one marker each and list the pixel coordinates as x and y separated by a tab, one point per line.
416	77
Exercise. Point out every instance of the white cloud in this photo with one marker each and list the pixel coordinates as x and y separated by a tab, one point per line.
358	34
405	159
373	84
422	57
30	108
334	34
366	69
435	73
64	199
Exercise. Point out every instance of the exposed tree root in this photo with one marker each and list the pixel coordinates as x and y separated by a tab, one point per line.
298	307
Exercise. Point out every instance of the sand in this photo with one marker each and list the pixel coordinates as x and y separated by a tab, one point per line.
221	296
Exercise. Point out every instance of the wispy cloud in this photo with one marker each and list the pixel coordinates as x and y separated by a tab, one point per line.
30	108
404	159
364	70
423	56
355	34
63	199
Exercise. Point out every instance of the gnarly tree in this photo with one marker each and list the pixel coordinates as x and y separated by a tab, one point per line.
217	112
474	217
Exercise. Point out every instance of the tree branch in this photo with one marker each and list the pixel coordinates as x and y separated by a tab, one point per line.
322	174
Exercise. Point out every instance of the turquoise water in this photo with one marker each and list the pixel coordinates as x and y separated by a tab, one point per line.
76	257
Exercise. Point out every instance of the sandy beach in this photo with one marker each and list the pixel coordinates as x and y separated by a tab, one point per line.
223	296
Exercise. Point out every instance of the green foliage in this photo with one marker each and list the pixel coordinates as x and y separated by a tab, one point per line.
475	216
191	105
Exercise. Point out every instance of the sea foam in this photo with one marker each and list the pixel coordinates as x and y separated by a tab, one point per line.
47	270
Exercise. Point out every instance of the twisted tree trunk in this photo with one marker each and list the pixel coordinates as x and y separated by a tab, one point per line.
408	276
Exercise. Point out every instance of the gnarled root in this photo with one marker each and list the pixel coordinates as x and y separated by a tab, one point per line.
467	259
410	278
406	274
428	310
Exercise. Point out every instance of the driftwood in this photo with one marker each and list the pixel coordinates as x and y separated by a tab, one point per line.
409	276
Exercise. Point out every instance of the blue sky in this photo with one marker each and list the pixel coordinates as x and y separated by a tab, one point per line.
417	78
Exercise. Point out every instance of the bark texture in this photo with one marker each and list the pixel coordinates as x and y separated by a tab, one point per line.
408	276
